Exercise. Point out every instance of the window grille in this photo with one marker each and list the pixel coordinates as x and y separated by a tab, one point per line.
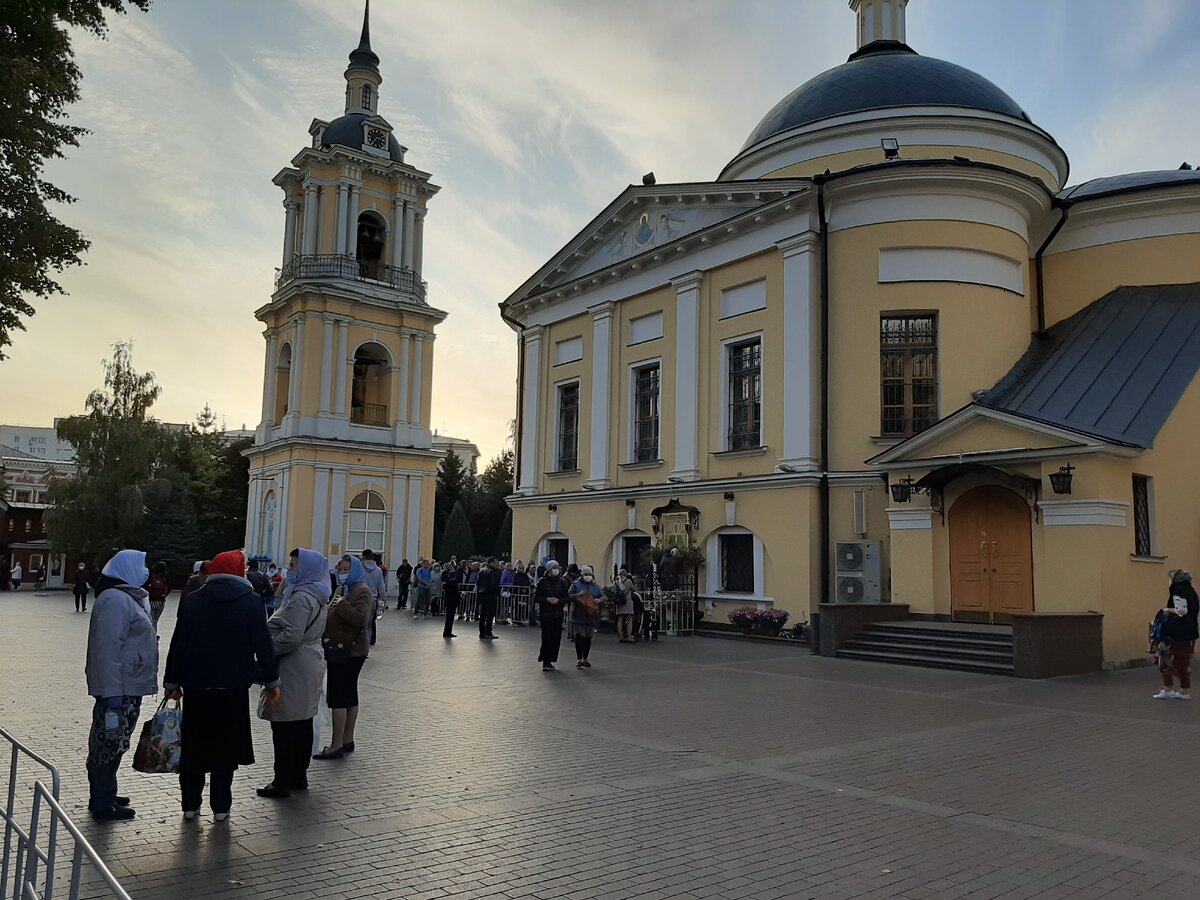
645	416
568	427
366	523
366	96
908	367
737	563
1142	532
745	395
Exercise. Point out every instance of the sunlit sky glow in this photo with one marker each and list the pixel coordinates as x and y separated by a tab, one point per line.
531	115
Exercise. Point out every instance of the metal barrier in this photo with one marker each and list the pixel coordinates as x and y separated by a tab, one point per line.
668	612
467	603
12	828
83	852
514	605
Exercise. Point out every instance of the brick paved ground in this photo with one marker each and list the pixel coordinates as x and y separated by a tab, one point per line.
689	768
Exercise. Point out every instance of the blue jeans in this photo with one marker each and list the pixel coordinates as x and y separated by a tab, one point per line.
105	750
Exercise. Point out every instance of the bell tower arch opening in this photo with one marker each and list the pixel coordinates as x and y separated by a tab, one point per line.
283	383
371	236
371	386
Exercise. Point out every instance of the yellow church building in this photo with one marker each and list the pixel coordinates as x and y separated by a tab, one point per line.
343	460
897	369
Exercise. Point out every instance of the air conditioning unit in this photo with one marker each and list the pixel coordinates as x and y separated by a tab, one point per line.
859	568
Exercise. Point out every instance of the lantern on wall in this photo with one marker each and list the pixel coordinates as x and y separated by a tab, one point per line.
1060	481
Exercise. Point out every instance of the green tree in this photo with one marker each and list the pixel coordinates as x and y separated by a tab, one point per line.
503	548
121	474
488	506
454	485
457	538
38	81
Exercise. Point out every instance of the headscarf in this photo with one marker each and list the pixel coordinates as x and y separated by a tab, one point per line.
231	562
1181	575
311	569
357	573
127	567
196	566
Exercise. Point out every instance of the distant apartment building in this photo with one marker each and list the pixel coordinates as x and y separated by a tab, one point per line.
41	441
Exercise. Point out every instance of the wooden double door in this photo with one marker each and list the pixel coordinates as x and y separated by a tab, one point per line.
991	554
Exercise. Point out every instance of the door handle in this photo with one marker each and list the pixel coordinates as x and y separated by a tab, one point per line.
993	549
982	544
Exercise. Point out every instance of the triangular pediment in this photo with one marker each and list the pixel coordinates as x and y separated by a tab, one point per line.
978	433
646	223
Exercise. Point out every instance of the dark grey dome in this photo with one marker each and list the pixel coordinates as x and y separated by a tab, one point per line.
1135	181
347	131
879	76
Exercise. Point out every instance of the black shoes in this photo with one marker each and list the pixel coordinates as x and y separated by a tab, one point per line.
547	667
348	747
339	753
301	785
274	791
121	801
449	635
113	814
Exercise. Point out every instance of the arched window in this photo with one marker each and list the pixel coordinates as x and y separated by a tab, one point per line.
372	234
366	523
366	96
283	382
371	386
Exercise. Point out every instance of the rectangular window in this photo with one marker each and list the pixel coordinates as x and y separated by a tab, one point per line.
908	374
568	427
737	563
745	395
1143	516
645	413
22	497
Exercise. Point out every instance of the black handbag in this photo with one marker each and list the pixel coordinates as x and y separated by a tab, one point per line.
336	653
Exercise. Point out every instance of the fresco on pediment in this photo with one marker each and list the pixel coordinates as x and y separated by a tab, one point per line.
653	227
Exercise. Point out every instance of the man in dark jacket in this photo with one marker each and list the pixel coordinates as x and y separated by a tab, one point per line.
487	589
262	586
451	579
403	580
551	596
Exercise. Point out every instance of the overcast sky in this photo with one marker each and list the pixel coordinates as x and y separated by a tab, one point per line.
531	114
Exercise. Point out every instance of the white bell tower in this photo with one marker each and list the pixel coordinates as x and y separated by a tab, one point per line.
879	20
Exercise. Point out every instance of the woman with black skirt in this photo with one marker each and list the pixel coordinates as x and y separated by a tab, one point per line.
346	649
219	649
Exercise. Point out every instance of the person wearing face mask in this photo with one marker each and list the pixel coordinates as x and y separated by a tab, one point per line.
551	596
1179	634
487	587
451	579
81	588
625	606
374	580
585	596
346	649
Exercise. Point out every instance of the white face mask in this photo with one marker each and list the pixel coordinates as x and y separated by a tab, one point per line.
342	578
587	578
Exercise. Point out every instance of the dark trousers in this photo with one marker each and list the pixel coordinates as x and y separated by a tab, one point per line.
371	629
402	586
106	748
451	611
220	790
583	646
487	613
293	750
80	598
551	639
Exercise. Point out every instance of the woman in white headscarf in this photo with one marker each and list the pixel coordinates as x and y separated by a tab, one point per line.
122	667
296	629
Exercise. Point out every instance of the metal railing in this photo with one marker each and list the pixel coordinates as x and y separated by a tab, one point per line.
12	861
83	852
369	414
349	266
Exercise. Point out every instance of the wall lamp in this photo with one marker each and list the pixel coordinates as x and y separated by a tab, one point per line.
891	148
729	495
631	503
1060	481
552	507
903	490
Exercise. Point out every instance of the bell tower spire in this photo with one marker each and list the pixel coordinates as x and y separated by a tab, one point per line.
879	20
362	75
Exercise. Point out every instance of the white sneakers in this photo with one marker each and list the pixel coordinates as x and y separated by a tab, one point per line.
189	815
1167	694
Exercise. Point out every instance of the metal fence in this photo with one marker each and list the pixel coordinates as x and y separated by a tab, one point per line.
31	854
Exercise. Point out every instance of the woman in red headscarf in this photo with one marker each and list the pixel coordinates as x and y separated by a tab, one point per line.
219	649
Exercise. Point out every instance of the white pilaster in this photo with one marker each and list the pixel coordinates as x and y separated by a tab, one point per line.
295	377
801	361
687	376
403	378
339	401
290	207
412	536
268	407
253	515
416	402
419	241
337	516
280	550
394	401
320	519
398	231
531	401
602	317
327	369
410	217
340	227
395	546
310	219
352	222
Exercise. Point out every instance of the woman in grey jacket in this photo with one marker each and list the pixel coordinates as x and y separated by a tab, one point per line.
122	667
296	629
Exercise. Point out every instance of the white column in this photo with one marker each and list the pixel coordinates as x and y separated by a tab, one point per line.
295	377
327	368
410	217
395	546
395	394
801	362
310	219
280	550
339	361
415	408
340	226
320	519
531	404
290	208
398	231
402	406
268	408
412	536
352	222
419	241
337	515
602	317
687	375
253	512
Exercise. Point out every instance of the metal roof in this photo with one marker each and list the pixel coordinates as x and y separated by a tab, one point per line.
1115	370
347	131
881	75
1134	181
